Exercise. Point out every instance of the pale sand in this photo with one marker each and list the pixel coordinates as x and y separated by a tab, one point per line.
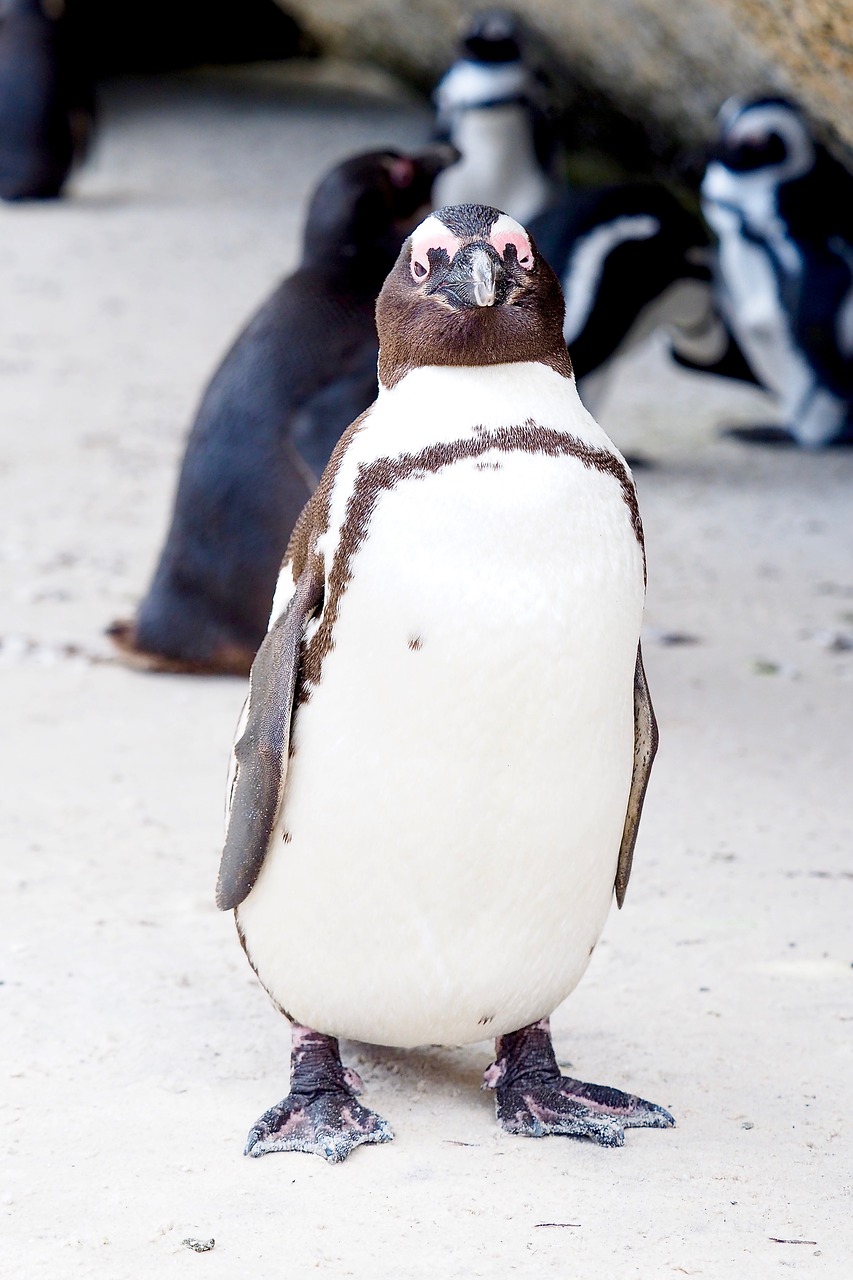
138	1048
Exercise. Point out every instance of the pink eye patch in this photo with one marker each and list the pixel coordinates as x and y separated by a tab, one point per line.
431	234
506	231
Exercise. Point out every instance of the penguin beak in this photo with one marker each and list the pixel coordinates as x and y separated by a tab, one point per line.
484	277
434	159
474	278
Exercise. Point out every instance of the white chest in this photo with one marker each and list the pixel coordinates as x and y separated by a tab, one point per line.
456	797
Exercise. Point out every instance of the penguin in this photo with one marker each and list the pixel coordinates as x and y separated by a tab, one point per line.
441	764
46	98
780	207
631	258
296	376
492	105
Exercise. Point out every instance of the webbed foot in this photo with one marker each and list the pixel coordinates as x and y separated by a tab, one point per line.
320	1114
330	1125
533	1098
225	659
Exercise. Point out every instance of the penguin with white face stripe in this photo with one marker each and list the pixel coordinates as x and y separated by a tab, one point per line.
492	104
780	207
442	761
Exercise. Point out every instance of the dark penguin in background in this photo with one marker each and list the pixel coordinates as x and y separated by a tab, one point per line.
782	210
297	375
442	760
630	259
493	106
46	97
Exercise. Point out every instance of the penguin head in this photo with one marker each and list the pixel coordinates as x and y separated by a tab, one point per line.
490	70
364	208
469	288
494	35
766	140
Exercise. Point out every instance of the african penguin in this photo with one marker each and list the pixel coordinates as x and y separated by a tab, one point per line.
492	105
630	259
441	764
301	370
46	97
782	211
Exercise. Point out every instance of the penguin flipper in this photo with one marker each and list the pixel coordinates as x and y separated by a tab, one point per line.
645	746
261	751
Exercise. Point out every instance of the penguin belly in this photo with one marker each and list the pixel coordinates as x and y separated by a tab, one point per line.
459	775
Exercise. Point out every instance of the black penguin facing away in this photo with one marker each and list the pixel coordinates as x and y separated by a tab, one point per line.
302	369
46	97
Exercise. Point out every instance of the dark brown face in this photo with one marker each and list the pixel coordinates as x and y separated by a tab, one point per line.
469	288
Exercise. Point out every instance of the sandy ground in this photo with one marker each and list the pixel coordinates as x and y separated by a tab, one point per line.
137	1047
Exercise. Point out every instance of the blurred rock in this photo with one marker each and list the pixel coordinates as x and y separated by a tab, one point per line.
162	35
669	65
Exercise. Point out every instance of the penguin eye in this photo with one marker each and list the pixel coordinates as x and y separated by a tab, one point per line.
401	171
431	234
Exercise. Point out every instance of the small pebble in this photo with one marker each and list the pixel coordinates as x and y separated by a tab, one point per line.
198	1246
834	641
671	639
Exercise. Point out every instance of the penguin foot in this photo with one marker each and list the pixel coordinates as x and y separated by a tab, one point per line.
320	1115
532	1098
330	1125
640	462
226	660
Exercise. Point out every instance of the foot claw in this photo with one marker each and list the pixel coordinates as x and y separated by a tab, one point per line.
330	1125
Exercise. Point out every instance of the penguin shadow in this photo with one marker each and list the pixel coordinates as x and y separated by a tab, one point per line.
72	202
770	435
641	462
98	201
446	1072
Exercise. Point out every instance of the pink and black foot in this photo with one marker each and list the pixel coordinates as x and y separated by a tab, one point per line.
320	1114
533	1098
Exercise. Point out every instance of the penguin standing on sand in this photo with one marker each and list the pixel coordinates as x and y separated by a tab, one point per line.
493	107
46	98
782	210
442	760
630	259
297	375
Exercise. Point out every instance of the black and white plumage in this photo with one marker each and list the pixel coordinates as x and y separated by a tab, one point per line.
301	370
46	97
630	259
782	210
492	105
441	764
